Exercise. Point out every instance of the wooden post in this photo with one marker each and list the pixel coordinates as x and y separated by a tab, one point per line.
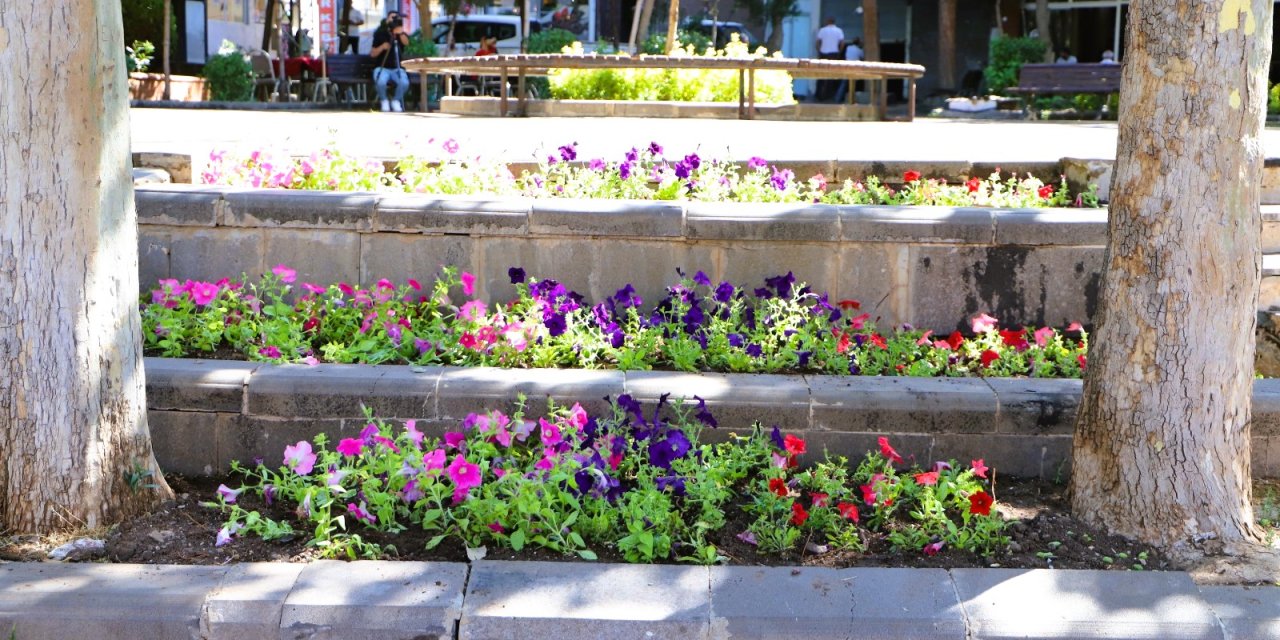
635	24
871	30
673	17
947	44
164	53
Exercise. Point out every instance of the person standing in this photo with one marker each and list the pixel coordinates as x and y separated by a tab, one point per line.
852	53
388	52
830	44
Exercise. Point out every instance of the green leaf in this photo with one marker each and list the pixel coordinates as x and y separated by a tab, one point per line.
435	542
517	539
587	554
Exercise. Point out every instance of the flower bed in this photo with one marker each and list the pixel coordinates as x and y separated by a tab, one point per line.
643	174
643	485
780	327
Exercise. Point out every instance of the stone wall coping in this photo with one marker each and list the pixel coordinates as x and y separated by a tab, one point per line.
211	206
489	599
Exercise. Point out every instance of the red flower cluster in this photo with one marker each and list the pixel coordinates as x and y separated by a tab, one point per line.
888	452
848	510
928	478
910	176
974	184
798	514
794	446
1016	339
778	486
988	357
980	503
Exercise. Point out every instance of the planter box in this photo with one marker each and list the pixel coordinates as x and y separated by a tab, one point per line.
150	86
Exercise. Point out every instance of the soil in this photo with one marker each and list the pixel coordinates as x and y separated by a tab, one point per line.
1042	532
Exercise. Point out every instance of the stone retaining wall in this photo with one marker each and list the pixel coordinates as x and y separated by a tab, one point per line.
204	414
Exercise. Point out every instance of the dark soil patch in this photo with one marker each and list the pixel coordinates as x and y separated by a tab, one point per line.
1043	535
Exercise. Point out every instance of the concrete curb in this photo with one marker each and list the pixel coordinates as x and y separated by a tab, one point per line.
206	413
497	599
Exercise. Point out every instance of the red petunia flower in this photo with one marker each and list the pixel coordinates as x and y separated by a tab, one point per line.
848	305
844	344
988	357
848	510
955	340
980	503
927	478
798	514
974	184
1083	362
857	322
1016	339
793	445
1045	191
910	176
878	341
887	451
933	549
979	468
868	494
778	486
819	499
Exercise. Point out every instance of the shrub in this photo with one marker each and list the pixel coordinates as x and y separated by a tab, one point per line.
656	44
420	46
138	57
230	75
1007	57
1273	99
551	41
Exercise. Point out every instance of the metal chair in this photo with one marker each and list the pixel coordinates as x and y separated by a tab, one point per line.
264	73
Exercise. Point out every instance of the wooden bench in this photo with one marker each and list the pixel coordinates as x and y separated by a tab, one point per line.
352	72
1055	79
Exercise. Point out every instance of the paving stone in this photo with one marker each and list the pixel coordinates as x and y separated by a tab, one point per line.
1081	227
377	600
186	442
607	218
572	600
737	400
54	601
760	221
343	390
177	205
247	604
465	390
186	384
1044	603
417	213
901	404
1036	406
1246	613
880	223
813	602
299	209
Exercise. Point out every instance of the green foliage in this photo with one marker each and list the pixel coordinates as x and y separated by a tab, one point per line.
1007	55
656	44
1273	99
420	46
138	56
144	20
230	77
550	41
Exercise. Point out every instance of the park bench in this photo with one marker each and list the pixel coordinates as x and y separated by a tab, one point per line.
352	74
1056	79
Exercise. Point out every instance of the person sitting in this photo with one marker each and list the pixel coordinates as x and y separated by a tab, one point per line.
852	53
488	46
1065	57
1108	57
387	52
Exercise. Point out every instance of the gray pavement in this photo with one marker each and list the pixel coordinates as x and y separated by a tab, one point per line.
527	600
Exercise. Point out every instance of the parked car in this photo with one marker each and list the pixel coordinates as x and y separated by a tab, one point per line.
724	31
470	29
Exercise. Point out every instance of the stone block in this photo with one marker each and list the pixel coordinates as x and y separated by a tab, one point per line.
186	442
879	276
1246	613
1036	405
196	385
1266	407
177	205
1051	286
736	400
55	601
248	602
1043	603
1082	172
248	437
374	600
1047	457
319	256
178	165
574	600
914	447
760	221
912	405
1265	456
945	225
607	218
471	215
143	176
153	257
814	602
342	391
299	209
1271	227
398	257
1035	227
748	264
213	254
465	390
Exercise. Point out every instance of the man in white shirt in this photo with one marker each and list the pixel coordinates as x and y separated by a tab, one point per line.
830	44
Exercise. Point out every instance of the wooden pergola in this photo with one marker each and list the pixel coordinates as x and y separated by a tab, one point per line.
522	65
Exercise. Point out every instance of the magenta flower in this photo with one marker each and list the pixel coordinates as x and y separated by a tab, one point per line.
454	439
270	351
983	323
415	284
464	475
202	293
468	283
496	527
350	447
312	288
578	416
502	435
451	146
549	433
227	494
285	274
933	549
411	428
300	458
1043	334
358	512
473	310
433	460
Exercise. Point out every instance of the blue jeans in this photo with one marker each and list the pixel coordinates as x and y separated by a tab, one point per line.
382	75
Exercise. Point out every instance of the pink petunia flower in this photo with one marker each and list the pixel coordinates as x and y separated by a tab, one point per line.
202	293
1043	334
464	475
983	323
549	433
473	310
285	274
468	283
433	460
300	458
411	428
979	468
227	494
454	439
350	447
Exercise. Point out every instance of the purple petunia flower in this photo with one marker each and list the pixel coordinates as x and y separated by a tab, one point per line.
735	340
693	161
556	324
776	437
674	484
804	358
782	284
703	415
358	512
754	350
633	155
701	278
655	148
682	170
756	162
782	178
569	152
227	494
724	293
516	274
673	446
597	164
624	170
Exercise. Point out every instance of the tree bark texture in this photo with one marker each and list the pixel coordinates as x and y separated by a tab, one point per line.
73	423
947	44
164	54
871	30
1161	449
1042	28
673	20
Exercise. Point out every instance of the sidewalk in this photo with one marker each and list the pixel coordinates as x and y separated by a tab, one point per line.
569	600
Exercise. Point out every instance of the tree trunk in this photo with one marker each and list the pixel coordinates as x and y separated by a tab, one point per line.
774	41
1042	28
424	17
1161	449
673	18
646	18
74	444
871	30
947	44
168	4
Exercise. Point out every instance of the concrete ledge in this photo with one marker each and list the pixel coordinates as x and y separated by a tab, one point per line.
414	213
607	218
498	599
206	413
299	209
763	221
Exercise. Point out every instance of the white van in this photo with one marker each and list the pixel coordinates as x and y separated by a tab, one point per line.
470	29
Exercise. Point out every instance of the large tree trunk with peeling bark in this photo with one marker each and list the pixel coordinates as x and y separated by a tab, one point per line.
74	445
1162	447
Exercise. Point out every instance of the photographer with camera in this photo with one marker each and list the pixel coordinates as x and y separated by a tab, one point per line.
388	51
